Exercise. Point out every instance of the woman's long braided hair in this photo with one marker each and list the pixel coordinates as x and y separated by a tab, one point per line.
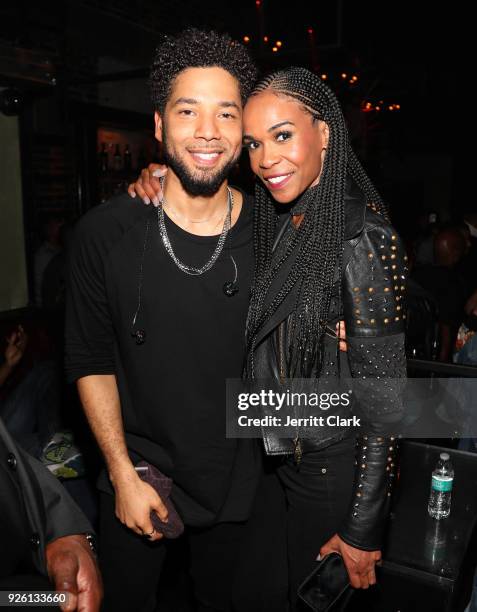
317	245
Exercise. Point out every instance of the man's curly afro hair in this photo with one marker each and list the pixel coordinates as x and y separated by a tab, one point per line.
195	48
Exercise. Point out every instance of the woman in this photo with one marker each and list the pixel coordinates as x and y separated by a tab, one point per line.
334	256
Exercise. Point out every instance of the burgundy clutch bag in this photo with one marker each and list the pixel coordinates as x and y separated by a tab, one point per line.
163	486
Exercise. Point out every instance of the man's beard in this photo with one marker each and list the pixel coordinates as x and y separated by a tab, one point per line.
206	185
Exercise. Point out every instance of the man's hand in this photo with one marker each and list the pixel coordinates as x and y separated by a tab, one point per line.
72	567
148	186
135	499
16	344
359	563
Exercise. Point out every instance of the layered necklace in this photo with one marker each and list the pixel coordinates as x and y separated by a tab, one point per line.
220	243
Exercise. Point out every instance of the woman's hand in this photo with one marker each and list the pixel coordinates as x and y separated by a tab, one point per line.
341	333
359	563
148	186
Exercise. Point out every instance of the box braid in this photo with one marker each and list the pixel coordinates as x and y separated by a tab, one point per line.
318	242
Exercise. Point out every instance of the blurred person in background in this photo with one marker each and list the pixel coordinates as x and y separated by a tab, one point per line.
51	246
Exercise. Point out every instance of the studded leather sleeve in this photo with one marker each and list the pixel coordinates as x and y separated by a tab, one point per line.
373	299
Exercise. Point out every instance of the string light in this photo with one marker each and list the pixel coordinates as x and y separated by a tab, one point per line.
368	107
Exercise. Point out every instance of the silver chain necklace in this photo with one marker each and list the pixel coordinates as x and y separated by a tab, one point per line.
220	243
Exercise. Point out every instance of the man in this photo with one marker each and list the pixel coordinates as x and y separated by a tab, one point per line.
155	321
43	533
29	395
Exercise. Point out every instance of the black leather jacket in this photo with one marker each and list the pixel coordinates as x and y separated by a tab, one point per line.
372	306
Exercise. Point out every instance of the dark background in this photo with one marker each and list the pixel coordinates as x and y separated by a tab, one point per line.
81	66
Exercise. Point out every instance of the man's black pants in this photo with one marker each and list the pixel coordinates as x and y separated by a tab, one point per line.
239	567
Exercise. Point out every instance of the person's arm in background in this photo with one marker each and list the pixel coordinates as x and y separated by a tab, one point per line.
90	362
70	562
64	553
471	305
16	344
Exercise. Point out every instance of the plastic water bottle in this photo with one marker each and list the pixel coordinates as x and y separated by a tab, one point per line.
441	488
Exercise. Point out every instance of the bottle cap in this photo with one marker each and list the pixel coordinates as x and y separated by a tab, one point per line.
445	456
